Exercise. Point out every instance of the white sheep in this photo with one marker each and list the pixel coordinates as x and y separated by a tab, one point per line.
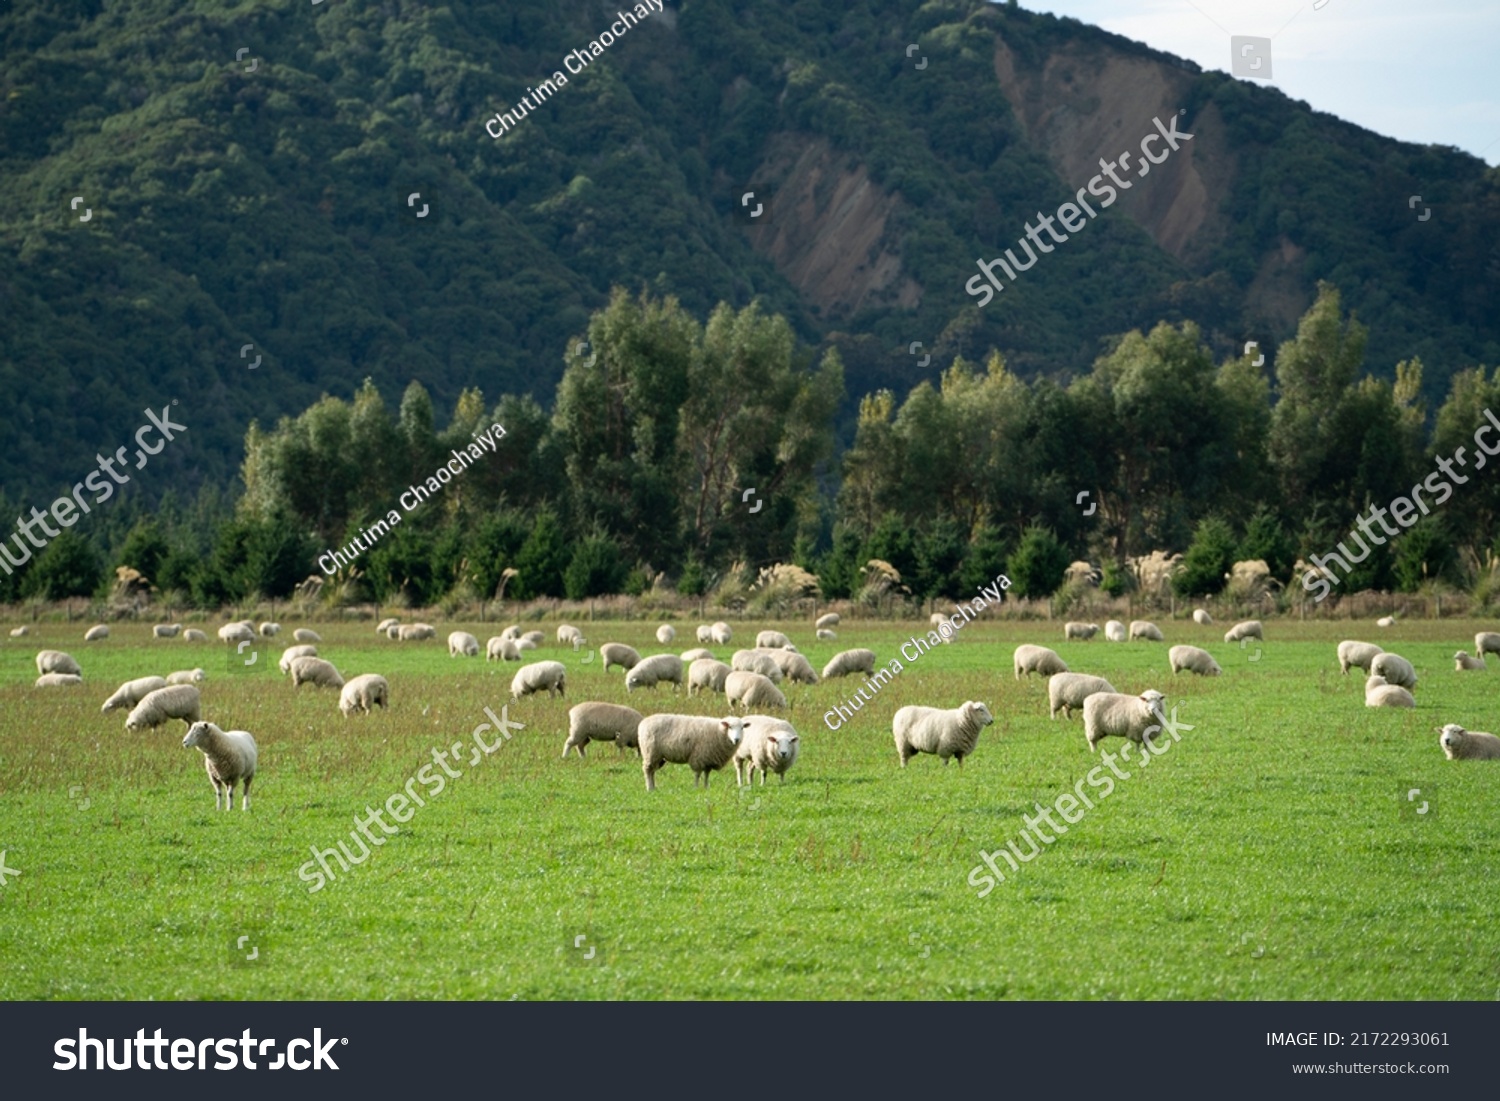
829	619
755	661
651	671
690	656
767	640
666	634
1066	692
1037	659
707	673
720	634
937	619
703	744
364	693
513	631
1395	669
1084	631
946	733
1115	715
58	680
850	661
499	648
1469	745
1486	642
539	676
236	632
617	653
1202	618
192	634
1249	628
306	634
56	661
185	676
462	644
1462	661
1146	630
292	653
176	701
567	634
316	672
1380	693
1194	660
1386	621
752	690
794	667
1114	631
1357	654
705	633
536	638
826	634
270	630
166	630
133	692
96	633
228	756
602	722
20	632
386	624
523	644
769	744
413	632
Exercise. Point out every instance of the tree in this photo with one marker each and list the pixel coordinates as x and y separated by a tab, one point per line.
69	566
1037	566
1208	560
595	570
145	549
542	559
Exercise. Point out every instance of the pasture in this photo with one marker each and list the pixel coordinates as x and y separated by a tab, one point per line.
1271	854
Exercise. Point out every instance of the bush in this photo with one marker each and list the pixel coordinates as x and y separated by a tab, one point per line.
693	582
1037	567
596	569
542	560
984	559
1116	581
1425	553
67	567
1210	557
1266	539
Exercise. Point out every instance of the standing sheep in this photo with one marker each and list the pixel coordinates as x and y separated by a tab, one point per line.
1067	691
826	634
306	634
1462	661
690	656
408	632
1202	618
386	624
1395	669
462	644
1194	660
769	744
752	690
499	648
20	632
850	661
96	634
185	676
1386	621
830	619
236	632
176	701
1357	654
1083	631
55	661
1038	659
707	673
536	638
946	733
666	634
768	640
1486	642
703	744
1249	628
270	630
539	676
602	722
753	661
133	692
617	653
163	630
316	672
523	644
192	634
719	634
1378	693
567	634
228	756
58	680
1145	630
649	672
1114	631
513	631
364	693
1115	715
1469	745
794	667
292	653
705	633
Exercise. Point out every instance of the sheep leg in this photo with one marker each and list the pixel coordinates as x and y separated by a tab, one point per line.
650	771
960	759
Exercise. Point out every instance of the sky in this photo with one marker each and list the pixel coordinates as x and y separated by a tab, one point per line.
1422	72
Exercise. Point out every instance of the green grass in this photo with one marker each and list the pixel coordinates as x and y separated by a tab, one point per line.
1270	854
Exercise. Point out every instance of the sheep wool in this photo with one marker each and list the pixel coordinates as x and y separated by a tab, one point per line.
830	619
1249	628
133	692
666	634
651	671
386	624
362	694
1194	660
1114	631
1468	745
192	634
1115	715
1066	692
1038	659
703	744
236	632
270	630
602	722
539	676
707	673
705	633
767	640
794	667
1378	693
500	648
626	657
58	680
166	630
1395	669
306	634
947	734
1145	630
229	756
754	661
1462	661
850	661
185	676
769	744
1202	618
826	634
749	690
690	656
1082	631
176	701
1357	654
719	634
413	632
315	671
567	634
1486	642
55	661
462	644
96	634
292	653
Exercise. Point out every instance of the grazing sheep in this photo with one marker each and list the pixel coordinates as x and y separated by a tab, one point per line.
162	630
850	661
1202	618
1462	661
830	619
1249	628
292	653
707	673
316	672
1038	659
133	692
20	632
58	680
1084	631
826	635
1114	631
524	644
500	648
236	632
719	634
539	676
229	756
768	640
755	661
412	632
96	634
649	672
393	631
384	626
1115	715
666	634
192	634
270	630
768	744
1395	669
536	638
1486	642
937	619
794	667
752	690
513	631
185	676
690	656
945	733
363	693
56	661
617	653
176	701
461	643
306	634
703	744
705	633
1386	621
1469	745
1379	693
602	722
1145	630
1194	660
1067	691
1359	654
567	633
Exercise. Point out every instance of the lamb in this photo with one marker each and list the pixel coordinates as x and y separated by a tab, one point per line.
1358	654
567	633
536	638
270	630
192	634
229	756
96	634
752	690
826	635
754	661
236	632
1114	631
1469	745
768	640
1145	630
617	653
769	744
1194	660
133	692
690	656
649	672
316	672
933	730
1249	628
1462	661
185	676
292	653
794	667
1084	631
412	632
462	643
850	661
20	632
176	701
306	634
364	693
704	744
163	630
707	673
386	624
539	676
666	634
1038	659
1066	692
501	649
1202	618
55	661
705	633
602	722
1395	669
1486	642
1115	715
1379	693
831	619
58	680
719	634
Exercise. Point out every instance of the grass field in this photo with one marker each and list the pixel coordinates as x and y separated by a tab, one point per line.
1271	854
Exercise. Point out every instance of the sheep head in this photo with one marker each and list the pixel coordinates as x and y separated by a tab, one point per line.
734	727
979	712
197	734
1453	736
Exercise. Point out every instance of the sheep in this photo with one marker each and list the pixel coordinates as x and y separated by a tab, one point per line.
1249	628
1115	715
705	633
292	653
176	701
386	624
567	633
306	634
1038	659
1469	745
649	672
499	648
945	733
752	690
1462	661
1358	654
1194	660
58	680
411	632
133	692
794	667
826	635
316	672
707	673
704	744
96	633
56	661
20	632
393	631
1386	621
1145	630
1486	642
720	634
185	676
754	661
270	630
524	644
1067	691
548	676
1114	631
768	744
768	640
192	634
690	656
937	619
1083	631
602	722
1395	669
229	756
513	631
236	632
831	619
164	630
666	634
850	661
1380	693
617	653
536	638
1202	618
363	693
461	643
